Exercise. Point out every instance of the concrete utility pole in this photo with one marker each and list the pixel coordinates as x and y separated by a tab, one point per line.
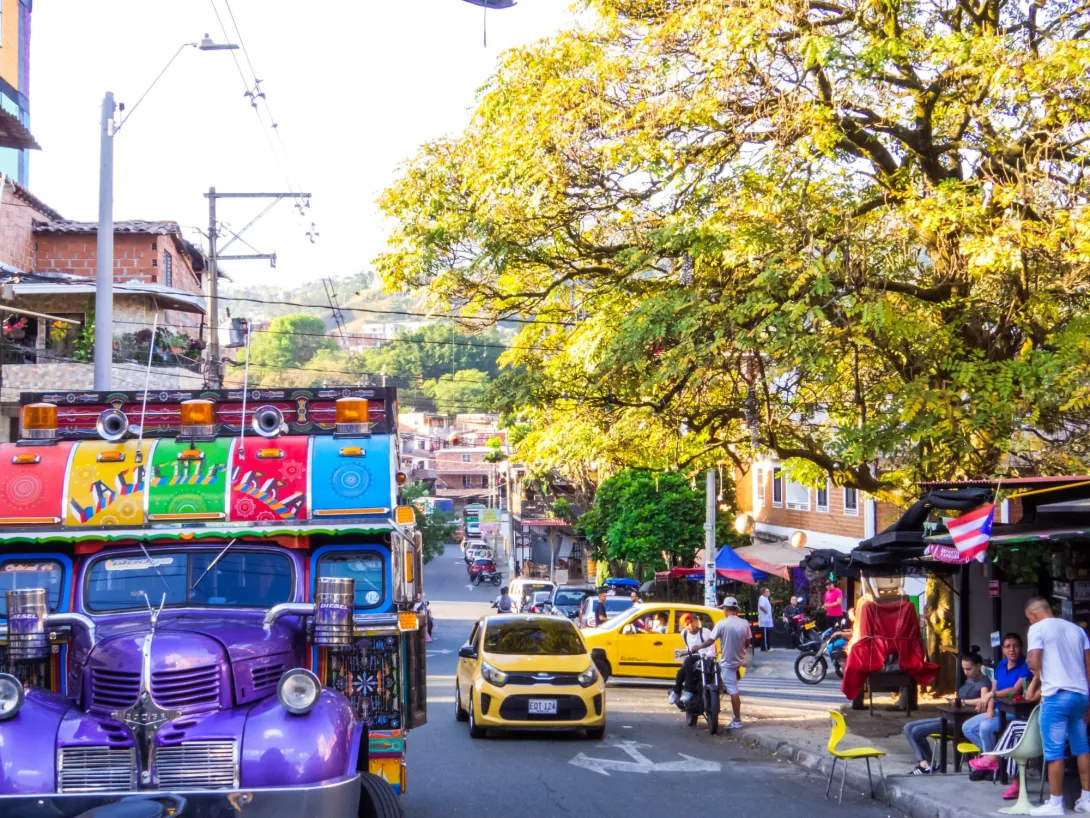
215	255
709	540
104	269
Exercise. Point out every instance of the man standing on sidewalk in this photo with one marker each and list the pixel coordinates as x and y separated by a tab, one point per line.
1059	653
734	637
764	617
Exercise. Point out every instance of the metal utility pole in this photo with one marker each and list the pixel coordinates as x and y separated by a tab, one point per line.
709	540
104	269
215	378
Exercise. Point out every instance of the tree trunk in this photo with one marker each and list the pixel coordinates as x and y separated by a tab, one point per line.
941	636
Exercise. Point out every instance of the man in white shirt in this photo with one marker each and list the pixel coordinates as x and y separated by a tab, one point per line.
1059	654
694	634
734	637
764	617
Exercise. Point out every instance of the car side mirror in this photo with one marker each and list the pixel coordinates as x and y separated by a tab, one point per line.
467	652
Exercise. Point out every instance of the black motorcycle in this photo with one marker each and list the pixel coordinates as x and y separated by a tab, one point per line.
487	576
705	700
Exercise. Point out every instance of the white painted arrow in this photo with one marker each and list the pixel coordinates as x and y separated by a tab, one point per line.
641	763
439	652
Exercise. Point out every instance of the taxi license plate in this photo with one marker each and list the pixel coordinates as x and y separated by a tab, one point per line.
543	706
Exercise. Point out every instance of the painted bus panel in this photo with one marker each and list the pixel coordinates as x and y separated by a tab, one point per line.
268	480
106	483
351	476
188	481
33	492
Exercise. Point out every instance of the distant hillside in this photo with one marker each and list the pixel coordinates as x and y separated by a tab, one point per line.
280	302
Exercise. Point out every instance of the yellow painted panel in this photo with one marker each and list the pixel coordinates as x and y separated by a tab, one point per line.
9	44
104	490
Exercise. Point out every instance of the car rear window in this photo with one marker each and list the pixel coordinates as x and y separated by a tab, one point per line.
569	597
533	637
482	562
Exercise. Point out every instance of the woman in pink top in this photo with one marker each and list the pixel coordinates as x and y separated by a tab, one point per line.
834	606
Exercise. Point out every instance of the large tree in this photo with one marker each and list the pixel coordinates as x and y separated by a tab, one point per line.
852	232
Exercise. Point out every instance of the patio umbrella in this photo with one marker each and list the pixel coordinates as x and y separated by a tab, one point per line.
730	565
622	582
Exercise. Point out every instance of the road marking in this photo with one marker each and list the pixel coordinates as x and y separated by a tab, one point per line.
641	763
439	652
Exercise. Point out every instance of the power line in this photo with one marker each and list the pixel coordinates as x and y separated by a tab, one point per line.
363	337
370	310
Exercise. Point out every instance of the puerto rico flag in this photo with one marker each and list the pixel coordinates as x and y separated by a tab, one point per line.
972	531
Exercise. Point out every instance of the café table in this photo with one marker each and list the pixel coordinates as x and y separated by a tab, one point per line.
1019	710
955	717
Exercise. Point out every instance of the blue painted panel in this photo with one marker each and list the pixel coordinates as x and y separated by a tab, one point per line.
341	484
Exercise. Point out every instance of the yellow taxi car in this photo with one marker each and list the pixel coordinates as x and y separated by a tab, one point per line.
528	672
642	640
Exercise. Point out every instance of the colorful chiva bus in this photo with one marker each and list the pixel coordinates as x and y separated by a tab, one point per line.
208	600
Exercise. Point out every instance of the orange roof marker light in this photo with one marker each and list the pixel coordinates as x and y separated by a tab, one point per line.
198	420
39	422
352	418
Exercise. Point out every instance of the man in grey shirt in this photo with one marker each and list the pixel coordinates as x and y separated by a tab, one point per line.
734	636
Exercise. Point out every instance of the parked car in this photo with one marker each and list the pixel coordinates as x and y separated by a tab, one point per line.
523	589
471	545
531	672
478	554
479	565
627	645
539	602
614	605
566	599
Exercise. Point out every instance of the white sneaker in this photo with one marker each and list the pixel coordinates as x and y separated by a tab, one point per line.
735	724
1082	805
686	697
672	698
1047	809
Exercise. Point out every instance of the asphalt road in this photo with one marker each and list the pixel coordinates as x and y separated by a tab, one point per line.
530	774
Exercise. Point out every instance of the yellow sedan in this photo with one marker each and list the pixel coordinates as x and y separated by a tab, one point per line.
528	672
641	642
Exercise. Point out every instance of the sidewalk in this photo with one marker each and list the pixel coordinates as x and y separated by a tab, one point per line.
790	719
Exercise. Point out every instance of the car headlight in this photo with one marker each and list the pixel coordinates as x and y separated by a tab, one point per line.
493	676
11	696
588	676
298	691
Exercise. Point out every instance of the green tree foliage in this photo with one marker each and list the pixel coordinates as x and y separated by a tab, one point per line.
637	515
435	350
467	391
839	230
292	341
434	531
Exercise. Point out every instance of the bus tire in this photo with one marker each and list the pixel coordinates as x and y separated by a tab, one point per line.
378	799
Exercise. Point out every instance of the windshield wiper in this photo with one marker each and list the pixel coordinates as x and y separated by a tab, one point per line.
212	565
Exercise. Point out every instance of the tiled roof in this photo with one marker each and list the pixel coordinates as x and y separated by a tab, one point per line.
32	200
13	133
167	228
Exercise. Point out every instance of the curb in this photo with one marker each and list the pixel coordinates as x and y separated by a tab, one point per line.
908	801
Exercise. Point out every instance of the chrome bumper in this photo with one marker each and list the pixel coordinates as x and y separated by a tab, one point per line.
337	799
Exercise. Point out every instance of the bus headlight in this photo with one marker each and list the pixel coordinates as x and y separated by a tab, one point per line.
11	696
298	691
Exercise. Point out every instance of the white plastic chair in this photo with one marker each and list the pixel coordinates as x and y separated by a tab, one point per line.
1028	748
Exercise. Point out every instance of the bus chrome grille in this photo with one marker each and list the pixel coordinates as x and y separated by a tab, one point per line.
205	765
96	769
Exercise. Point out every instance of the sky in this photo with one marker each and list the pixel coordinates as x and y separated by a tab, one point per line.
354	87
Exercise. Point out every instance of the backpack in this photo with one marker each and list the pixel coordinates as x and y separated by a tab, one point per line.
505	604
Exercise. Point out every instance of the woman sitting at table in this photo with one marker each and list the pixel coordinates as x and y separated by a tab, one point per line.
1012	675
970	693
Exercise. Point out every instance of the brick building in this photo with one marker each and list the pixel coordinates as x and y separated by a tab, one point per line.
48	266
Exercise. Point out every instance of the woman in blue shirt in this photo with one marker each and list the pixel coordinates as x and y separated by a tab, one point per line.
1012	677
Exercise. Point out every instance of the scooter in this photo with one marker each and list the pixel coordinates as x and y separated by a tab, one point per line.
705	700
813	663
803	632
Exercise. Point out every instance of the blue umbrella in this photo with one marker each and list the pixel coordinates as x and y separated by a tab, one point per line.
734	567
622	582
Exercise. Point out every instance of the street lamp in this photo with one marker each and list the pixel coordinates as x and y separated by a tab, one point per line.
104	273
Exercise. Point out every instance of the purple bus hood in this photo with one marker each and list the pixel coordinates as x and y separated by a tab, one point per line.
200	660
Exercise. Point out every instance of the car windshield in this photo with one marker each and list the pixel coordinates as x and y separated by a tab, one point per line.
245	579
529	590
18	574
533	637
569	597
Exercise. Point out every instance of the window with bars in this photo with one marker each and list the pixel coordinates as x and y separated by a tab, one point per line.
168	270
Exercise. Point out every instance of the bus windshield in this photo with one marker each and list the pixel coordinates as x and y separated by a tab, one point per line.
244	579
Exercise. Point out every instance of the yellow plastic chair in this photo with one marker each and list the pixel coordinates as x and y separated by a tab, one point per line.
866	753
1028	748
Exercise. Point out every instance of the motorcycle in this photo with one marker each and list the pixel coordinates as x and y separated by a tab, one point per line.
705	700
487	576
813	663
802	630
